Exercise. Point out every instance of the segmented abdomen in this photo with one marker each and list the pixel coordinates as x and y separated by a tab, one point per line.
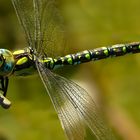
92	55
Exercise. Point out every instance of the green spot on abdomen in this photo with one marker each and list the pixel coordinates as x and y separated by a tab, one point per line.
69	60
124	49
106	52
97	53
87	56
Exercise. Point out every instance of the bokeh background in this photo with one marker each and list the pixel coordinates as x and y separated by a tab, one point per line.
113	82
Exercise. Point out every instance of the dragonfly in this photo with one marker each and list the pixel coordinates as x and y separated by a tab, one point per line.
75	107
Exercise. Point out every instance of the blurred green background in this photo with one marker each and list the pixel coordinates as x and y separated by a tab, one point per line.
114	82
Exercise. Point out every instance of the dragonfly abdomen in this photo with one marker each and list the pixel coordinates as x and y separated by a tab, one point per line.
92	55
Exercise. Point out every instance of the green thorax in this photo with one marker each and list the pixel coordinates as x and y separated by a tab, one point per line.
25	64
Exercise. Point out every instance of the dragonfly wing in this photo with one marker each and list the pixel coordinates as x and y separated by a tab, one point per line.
71	121
74	106
42	25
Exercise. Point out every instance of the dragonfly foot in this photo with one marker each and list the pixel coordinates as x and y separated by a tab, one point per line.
4	102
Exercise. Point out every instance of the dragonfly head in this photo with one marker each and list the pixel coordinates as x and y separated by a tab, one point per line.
7	62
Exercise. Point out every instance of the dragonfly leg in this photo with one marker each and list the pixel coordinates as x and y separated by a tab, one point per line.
4	84
4	102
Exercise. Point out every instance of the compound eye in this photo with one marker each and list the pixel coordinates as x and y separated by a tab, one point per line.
1	60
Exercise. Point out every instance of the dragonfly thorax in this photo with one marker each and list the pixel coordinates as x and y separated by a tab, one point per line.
7	62
25	63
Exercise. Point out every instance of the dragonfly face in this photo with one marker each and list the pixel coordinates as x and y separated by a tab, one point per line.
7	62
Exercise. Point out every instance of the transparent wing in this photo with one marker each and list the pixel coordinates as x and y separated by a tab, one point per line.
74	106
42	25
